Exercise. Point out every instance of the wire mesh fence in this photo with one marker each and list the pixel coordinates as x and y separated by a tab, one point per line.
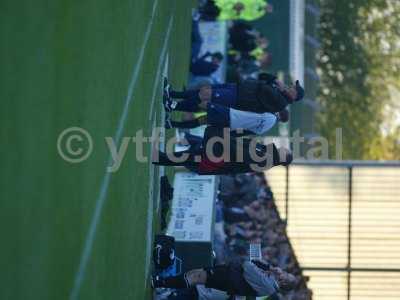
343	219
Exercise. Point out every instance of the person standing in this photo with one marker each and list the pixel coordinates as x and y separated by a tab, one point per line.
225	117
220	153
259	96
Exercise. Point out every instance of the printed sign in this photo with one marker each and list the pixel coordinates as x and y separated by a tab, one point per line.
192	209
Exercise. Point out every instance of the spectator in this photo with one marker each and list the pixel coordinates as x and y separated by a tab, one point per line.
256	220
203	67
242	37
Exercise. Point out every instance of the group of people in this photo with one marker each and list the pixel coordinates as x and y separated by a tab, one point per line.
234	111
247	47
247	52
249	215
246	214
235	116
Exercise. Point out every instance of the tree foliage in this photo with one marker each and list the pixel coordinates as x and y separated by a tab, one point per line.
359	64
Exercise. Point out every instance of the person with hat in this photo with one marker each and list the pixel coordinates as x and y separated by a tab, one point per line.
268	94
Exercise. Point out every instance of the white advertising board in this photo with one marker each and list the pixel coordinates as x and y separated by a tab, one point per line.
192	209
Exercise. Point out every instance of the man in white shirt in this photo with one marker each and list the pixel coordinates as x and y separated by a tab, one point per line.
221	116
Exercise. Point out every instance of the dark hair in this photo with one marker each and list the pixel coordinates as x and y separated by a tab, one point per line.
284	116
218	55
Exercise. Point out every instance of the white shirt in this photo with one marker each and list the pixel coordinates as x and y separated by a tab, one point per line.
257	123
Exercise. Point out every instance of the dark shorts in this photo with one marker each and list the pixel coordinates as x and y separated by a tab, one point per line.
224	94
218	115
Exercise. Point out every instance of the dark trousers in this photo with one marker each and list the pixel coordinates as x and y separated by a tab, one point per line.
222	94
229	278
176	159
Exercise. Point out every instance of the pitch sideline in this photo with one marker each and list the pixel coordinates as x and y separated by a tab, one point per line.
87	250
164	60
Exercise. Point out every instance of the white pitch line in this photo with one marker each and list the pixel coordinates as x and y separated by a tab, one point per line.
160	63
87	250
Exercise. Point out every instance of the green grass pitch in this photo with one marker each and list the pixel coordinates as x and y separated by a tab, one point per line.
70	63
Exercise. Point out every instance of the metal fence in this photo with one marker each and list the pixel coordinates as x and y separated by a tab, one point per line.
343	220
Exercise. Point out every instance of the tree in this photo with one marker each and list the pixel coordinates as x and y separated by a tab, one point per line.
359	64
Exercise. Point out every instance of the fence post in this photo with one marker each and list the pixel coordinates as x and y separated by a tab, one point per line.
350	199
287	196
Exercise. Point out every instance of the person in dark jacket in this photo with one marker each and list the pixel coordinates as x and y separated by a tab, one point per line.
220	153
242	37
203	67
251	278
259	96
